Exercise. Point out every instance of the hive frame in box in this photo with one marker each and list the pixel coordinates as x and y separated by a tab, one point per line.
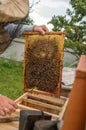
60	109
38	99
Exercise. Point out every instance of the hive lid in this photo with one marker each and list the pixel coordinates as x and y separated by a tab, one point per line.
12	10
43	61
81	69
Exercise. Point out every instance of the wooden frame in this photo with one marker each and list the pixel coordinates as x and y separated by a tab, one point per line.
56	107
51	37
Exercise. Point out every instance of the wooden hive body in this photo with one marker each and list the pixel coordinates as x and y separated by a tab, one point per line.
43	60
75	116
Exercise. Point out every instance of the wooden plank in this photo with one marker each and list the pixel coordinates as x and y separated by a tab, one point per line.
41	106
35	91
8	126
46	99
61	114
48	33
18	100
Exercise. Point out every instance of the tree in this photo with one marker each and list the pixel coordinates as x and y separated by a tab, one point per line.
29	20
75	27
79	7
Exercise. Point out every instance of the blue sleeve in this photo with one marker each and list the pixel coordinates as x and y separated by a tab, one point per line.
16	30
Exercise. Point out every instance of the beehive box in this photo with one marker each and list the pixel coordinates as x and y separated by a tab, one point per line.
43	61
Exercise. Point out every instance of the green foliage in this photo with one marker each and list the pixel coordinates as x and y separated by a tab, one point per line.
79	6
11	78
58	20
75	27
28	21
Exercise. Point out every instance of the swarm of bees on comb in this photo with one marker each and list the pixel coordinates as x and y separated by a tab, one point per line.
42	65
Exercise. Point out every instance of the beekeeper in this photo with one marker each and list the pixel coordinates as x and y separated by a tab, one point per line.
9	13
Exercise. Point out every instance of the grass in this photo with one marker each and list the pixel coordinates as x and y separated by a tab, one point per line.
11	75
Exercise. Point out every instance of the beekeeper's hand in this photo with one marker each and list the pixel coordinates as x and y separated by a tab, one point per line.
41	29
7	105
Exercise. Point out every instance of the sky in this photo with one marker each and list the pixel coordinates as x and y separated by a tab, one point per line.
43	11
